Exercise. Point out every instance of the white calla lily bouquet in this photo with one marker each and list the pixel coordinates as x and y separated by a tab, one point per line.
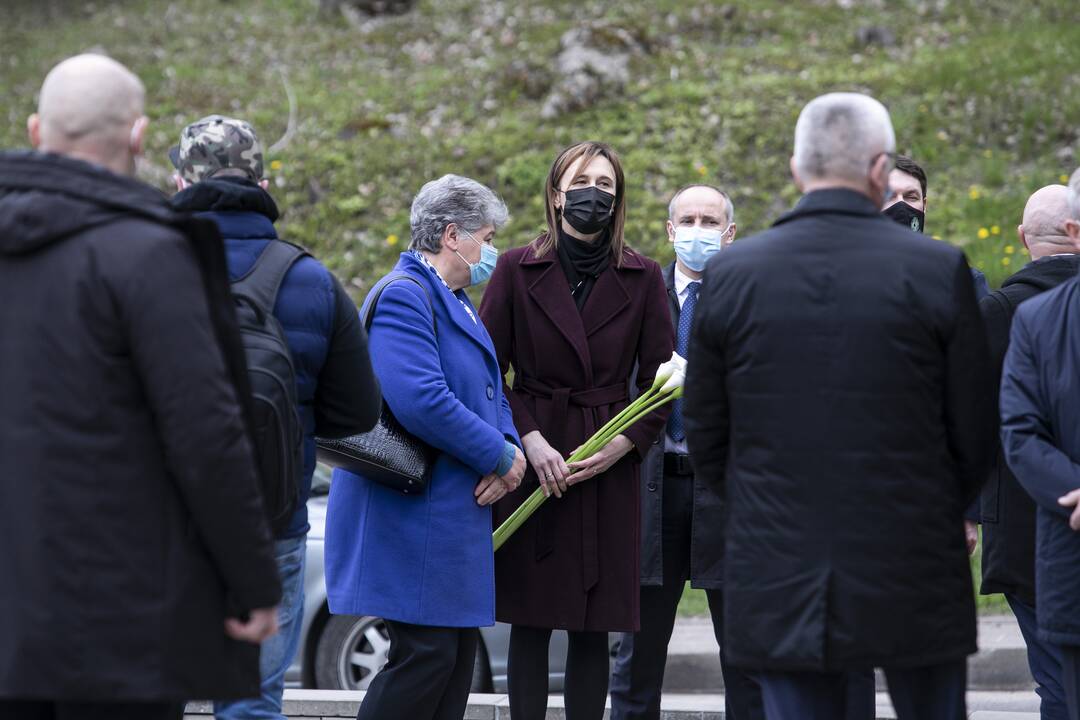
667	386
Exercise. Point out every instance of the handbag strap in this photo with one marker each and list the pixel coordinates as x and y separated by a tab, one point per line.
373	300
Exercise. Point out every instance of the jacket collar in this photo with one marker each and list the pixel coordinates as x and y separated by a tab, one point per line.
50	173
441	296
831	201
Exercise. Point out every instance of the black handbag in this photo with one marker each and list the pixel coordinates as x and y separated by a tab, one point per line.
388	453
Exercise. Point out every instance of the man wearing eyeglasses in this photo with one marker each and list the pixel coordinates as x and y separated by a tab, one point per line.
681	518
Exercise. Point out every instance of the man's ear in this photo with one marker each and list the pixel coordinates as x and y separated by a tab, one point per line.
795	174
734	229
264	183
670	231
138	134
1072	229
33	130
1023	238
879	177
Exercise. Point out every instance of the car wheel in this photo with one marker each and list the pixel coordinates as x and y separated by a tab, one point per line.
350	651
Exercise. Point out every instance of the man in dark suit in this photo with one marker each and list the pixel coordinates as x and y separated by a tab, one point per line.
1007	511
839	397
1040	434
681	517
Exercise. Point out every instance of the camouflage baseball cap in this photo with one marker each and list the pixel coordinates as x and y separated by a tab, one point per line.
215	143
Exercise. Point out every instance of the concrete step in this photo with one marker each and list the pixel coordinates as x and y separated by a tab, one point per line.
333	704
693	663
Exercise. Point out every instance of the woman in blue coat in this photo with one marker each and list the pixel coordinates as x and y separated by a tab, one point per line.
424	562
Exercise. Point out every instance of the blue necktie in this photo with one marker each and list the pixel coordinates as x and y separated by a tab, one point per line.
682	342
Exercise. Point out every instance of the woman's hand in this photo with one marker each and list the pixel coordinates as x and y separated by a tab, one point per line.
549	465
492	487
600	461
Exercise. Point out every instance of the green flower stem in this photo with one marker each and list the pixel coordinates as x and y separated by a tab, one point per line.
619	417
603	438
634	412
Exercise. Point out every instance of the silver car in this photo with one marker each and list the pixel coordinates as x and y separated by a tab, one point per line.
344	652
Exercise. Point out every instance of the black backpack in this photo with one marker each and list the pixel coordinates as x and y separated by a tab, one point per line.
278	433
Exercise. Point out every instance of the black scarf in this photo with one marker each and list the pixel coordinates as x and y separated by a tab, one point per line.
582	262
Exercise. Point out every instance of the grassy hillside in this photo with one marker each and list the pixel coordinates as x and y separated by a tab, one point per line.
985	93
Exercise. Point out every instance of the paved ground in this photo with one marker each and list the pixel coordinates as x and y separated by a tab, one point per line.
333	704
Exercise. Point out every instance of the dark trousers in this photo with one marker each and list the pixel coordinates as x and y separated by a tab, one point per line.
1044	660
1070	679
586	679
41	710
427	677
935	692
638	677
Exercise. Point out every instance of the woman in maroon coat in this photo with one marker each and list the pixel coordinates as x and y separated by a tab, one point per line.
574	313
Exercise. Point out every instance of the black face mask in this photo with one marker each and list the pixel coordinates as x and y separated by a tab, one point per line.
906	215
588	210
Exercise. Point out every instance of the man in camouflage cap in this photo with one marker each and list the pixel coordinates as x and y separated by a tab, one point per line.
219	165
217	143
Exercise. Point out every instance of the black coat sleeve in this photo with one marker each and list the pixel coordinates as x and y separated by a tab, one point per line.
706	412
179	360
970	407
347	395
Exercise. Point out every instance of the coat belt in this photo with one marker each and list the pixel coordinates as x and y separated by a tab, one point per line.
589	400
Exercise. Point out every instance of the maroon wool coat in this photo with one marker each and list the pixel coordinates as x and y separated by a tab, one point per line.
574	564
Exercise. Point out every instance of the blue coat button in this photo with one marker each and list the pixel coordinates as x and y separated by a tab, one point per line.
491	392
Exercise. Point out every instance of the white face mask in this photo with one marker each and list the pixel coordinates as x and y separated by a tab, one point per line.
695	245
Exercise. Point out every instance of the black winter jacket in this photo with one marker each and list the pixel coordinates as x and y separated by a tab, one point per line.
839	397
130	518
1006	510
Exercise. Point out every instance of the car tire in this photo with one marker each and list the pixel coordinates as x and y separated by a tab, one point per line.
351	651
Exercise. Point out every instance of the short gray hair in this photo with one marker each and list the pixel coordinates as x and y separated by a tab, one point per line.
721	193
452	199
1074	195
839	135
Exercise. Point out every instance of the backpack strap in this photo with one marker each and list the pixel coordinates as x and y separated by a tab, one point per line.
369	310
261	283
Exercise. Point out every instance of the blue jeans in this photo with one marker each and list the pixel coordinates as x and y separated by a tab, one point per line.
276	653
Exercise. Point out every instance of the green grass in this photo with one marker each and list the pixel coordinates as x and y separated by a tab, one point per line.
984	93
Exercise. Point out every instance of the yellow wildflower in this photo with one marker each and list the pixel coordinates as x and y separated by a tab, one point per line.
942	135
275	165
1009	249
1064	179
1006	261
988	153
983	233
701	170
995	230
974	193
391	239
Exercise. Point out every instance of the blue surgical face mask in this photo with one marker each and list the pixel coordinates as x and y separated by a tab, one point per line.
480	272
695	245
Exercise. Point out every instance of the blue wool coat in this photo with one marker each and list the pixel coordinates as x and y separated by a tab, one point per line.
1040	434
424	559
